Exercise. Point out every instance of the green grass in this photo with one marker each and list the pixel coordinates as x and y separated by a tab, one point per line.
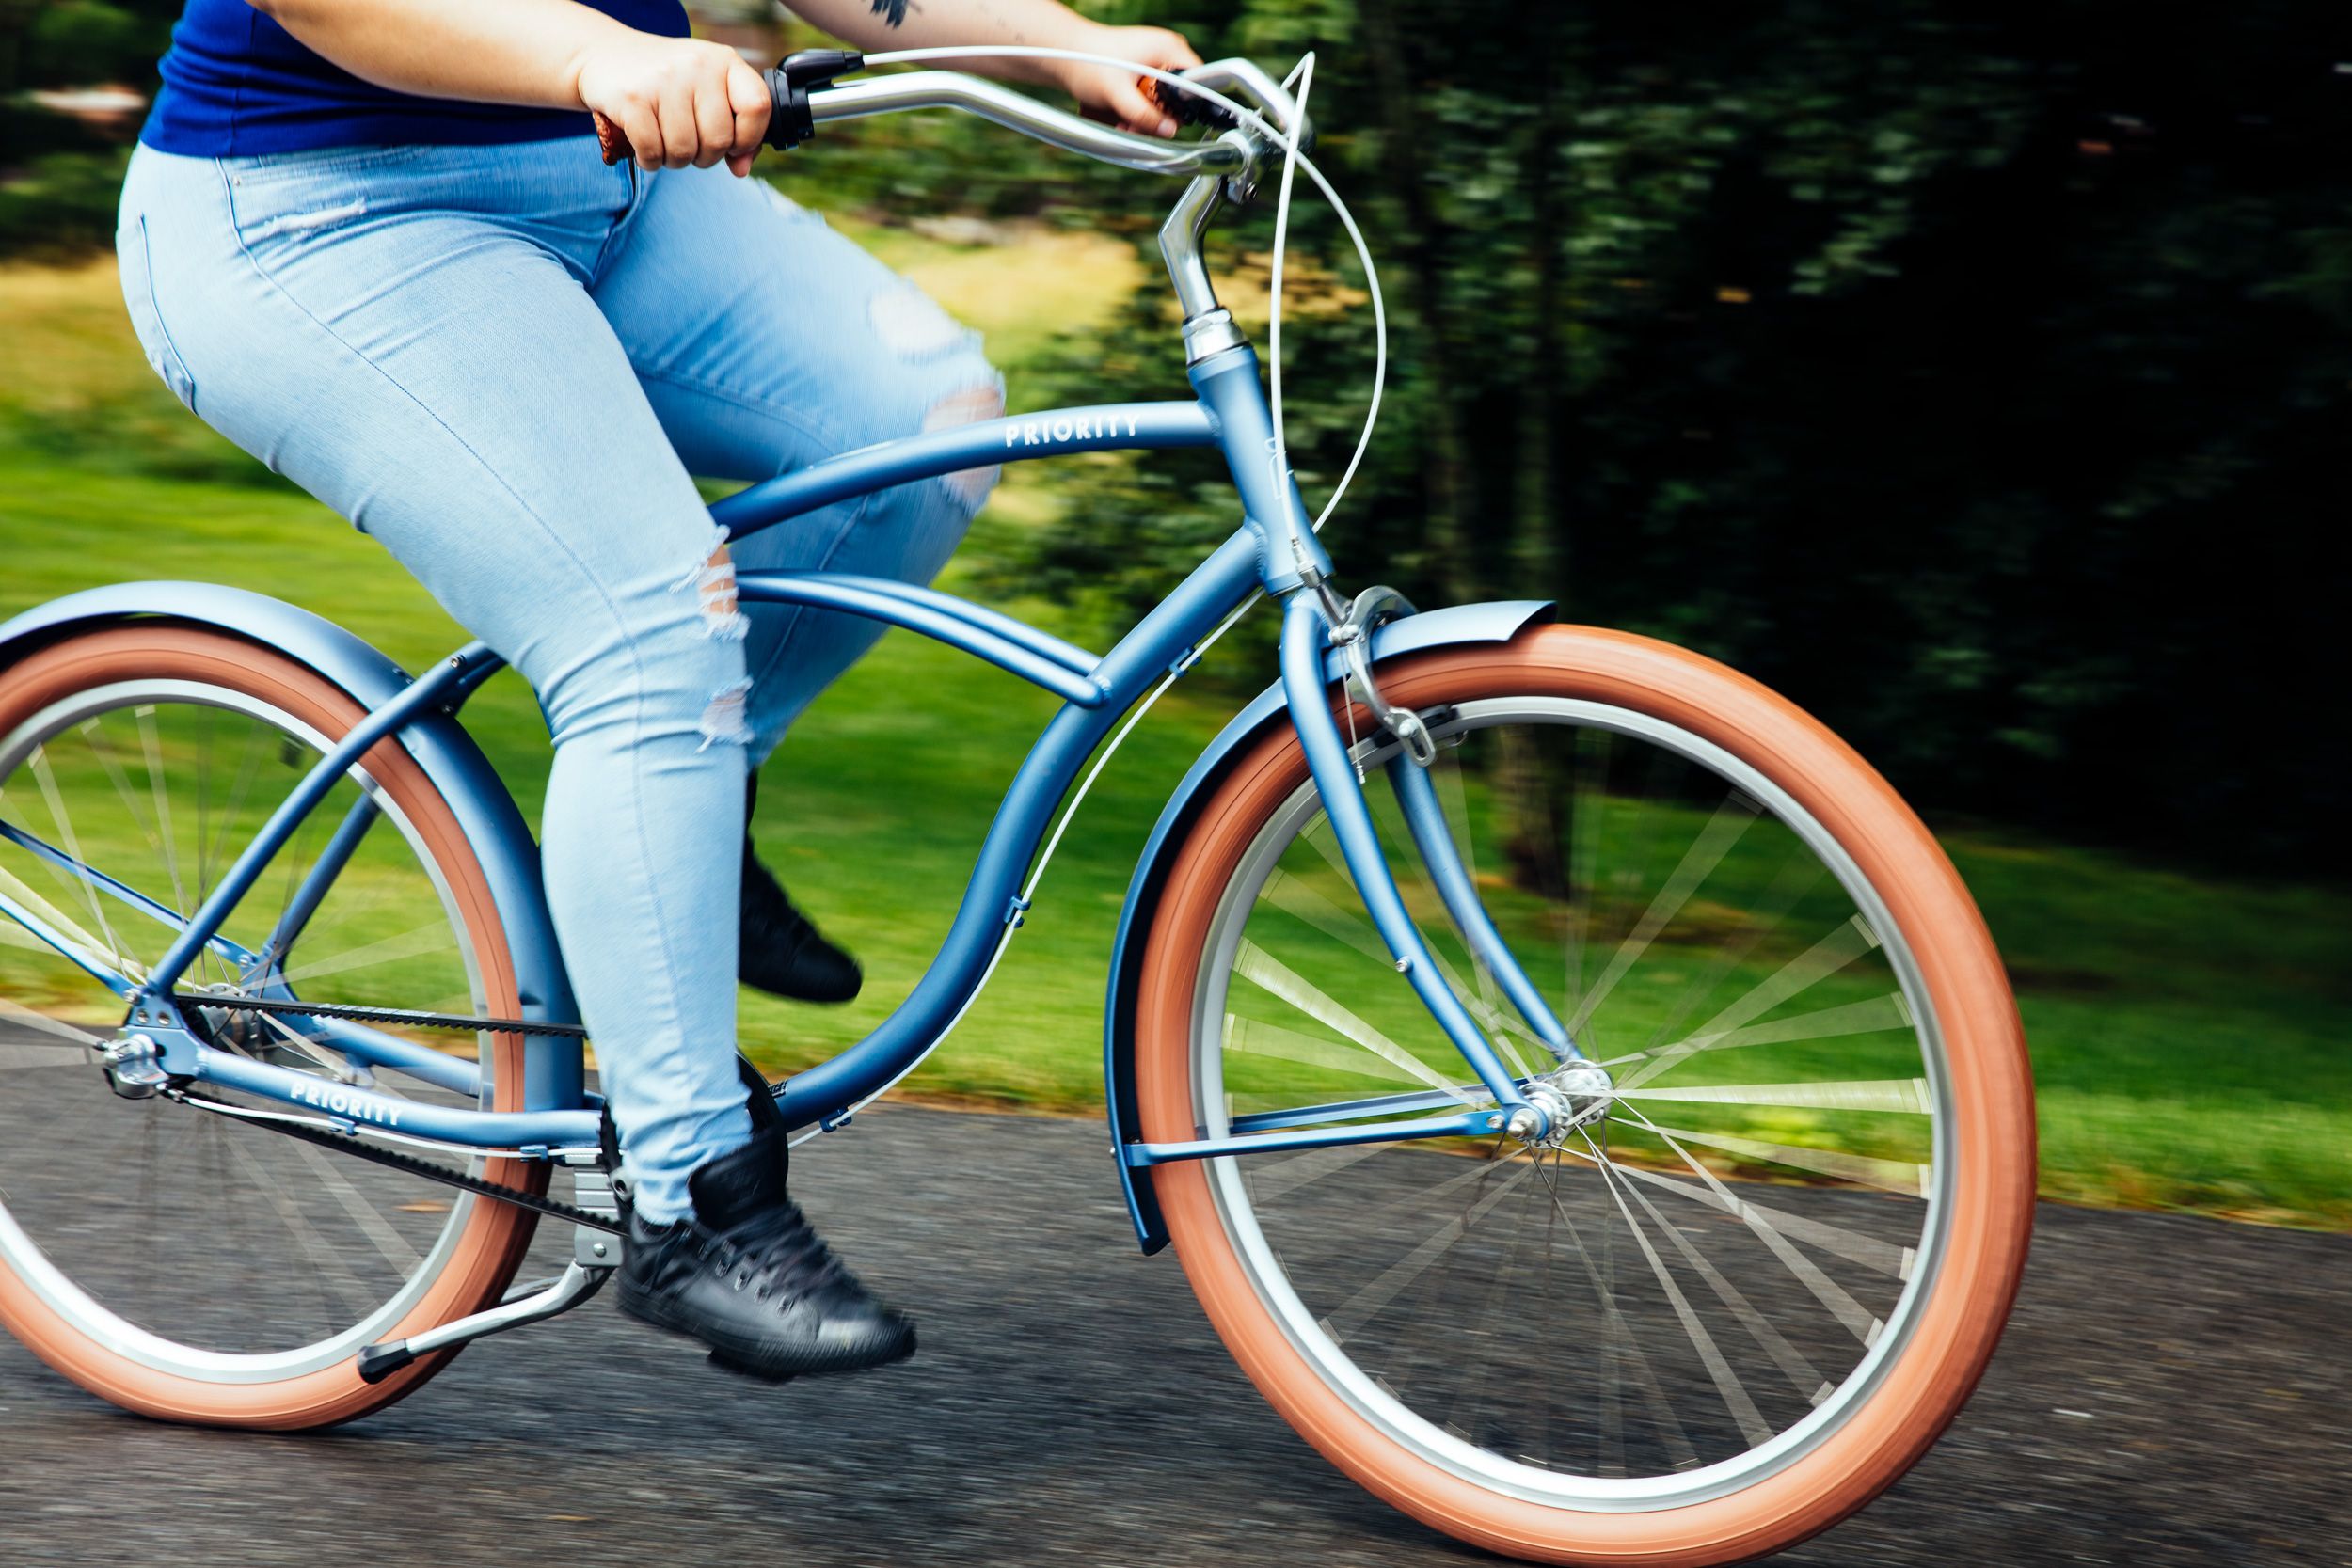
2187	1029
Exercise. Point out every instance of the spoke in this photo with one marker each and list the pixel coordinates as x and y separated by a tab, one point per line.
1365	1303
1905	1096
293	855
153	747
94	736
1850	1018
1622	1346
366	1215
1255	1037
336	1068
1855	1248
1296	897
1858	1319
1810	1384
1588	801
1275	1179
327	1266
64	821
17	1013
1799	872
1735	1394
1834	952
435	937
1413	889
1453	800
248	765
78	945
1470	1399
204	813
1906	1177
214	852
1263	971
1714	842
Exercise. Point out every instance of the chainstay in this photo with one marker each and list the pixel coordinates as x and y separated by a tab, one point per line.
355	1014
551	1208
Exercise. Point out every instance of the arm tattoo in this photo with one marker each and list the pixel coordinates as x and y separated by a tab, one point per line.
893	12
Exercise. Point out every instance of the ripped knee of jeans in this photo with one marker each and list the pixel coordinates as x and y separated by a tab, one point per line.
985	400
712	578
725	720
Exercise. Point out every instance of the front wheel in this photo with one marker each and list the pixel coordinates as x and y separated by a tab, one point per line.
1765	1251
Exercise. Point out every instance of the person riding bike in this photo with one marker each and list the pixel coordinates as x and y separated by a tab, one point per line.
374	244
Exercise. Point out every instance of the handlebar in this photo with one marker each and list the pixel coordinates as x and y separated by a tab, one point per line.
806	93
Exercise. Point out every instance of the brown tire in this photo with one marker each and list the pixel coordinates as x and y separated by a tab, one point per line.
479	1252
1954	1323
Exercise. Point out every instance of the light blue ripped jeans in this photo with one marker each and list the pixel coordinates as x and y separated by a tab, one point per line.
504	363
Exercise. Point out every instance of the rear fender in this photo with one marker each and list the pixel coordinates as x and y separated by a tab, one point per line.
1497	622
495	830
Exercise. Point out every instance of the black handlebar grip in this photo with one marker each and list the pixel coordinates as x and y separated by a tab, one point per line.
1189	108
789	122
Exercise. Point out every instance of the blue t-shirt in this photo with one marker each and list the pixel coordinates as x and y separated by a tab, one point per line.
236	82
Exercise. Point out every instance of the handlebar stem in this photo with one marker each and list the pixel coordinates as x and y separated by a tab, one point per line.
1179	246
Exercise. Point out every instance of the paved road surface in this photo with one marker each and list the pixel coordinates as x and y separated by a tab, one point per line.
2171	1391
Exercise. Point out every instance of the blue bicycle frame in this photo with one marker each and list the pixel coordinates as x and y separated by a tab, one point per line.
1274	550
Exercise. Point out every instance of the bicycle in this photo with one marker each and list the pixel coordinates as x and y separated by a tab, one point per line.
1658	1197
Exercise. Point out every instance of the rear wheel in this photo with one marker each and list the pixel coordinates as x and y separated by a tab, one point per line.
1766	1252
177	1260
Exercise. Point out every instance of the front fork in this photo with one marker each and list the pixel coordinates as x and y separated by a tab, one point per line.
1313	622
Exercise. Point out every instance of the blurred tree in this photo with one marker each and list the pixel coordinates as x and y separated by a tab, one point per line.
73	42
1979	381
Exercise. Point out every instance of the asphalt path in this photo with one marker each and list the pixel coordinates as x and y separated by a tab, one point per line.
2171	1391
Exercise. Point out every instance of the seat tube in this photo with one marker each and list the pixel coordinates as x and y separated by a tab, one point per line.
1304	640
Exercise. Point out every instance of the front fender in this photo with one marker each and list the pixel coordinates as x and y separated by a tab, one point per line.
1497	622
500	839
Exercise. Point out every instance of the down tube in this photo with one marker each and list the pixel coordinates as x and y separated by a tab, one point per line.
1157	643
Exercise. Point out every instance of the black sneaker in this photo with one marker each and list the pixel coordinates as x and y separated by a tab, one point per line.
783	953
749	1276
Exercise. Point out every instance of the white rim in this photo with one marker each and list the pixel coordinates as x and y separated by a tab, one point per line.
22	1256
1368	1398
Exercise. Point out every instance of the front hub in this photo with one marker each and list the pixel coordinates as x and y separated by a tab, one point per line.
1572	1096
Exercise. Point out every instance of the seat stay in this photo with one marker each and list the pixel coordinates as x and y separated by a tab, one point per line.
89	958
423	695
163	914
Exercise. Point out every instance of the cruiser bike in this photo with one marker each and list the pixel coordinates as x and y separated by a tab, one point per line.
1580	1093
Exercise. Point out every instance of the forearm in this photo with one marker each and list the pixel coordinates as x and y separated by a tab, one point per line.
874	25
509	52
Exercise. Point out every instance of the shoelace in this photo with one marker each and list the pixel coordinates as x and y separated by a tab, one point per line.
783	1254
